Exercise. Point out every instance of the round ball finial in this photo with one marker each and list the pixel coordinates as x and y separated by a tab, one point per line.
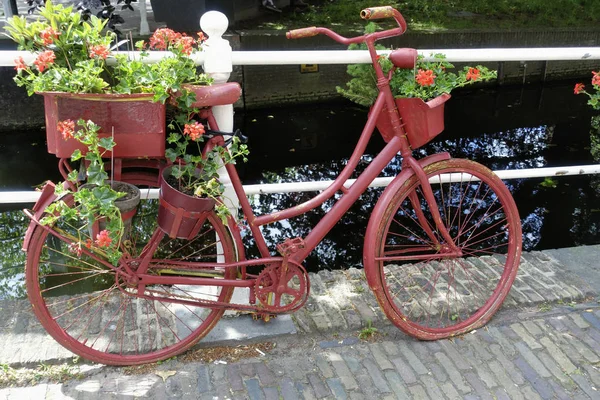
214	23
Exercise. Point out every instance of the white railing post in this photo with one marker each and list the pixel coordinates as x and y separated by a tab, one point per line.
218	65
144	28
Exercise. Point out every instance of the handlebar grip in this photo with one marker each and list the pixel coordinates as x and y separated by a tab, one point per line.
302	33
377	12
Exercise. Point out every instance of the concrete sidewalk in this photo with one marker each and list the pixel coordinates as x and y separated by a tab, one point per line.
544	343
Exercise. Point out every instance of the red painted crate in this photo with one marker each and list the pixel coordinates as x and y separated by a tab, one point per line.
138	123
422	121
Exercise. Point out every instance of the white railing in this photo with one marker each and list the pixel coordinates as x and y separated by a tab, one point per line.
7	57
296	187
218	60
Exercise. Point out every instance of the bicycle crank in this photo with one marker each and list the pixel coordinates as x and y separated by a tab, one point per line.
280	294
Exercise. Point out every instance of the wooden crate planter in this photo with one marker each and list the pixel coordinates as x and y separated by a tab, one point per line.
422	121
138	123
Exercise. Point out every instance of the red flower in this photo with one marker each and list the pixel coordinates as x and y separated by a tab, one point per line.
103	239
596	78
48	36
20	64
194	130
99	51
66	128
425	78
88	243
578	88
186	43
44	60
162	38
473	74
201	37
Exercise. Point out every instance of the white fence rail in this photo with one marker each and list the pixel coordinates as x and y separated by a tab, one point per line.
295	187
359	56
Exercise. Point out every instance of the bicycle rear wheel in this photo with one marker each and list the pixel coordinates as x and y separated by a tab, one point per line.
90	308
422	289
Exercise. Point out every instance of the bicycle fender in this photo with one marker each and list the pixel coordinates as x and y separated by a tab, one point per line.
46	198
378	211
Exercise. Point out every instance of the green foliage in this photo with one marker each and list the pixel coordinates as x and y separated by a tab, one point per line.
367	332
341	11
362	87
72	55
462	13
549	182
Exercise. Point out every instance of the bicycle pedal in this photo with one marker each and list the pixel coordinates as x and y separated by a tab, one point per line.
266	317
290	246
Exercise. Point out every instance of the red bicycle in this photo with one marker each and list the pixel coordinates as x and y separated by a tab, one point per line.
441	251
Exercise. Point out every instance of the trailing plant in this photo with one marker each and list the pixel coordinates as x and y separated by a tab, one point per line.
427	80
93	201
193	173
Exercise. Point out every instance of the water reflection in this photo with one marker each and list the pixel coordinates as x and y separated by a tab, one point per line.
545	127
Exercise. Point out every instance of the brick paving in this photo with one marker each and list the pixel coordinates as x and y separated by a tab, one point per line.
523	355
540	345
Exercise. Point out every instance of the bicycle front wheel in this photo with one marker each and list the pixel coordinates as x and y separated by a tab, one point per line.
425	290
91	309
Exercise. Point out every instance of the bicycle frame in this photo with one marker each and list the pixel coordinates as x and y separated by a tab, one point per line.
398	144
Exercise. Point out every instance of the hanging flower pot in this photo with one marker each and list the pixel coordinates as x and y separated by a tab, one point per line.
127	206
422	121
181	215
137	122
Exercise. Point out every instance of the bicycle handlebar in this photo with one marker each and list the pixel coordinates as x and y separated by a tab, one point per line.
367	13
384	12
302	33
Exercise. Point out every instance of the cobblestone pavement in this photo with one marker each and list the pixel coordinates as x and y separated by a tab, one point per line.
544	343
525	355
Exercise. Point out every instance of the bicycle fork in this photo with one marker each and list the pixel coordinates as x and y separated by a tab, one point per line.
450	247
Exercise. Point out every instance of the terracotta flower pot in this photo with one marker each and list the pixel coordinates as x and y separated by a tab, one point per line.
127	205
180	215
138	123
422	121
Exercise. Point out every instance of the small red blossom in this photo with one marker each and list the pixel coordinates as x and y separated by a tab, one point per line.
44	60
187	44
99	51
88	243
76	249
596	78
194	130
20	64
578	88
66	128
473	74
201	37
103	239
48	36
162	38
425	78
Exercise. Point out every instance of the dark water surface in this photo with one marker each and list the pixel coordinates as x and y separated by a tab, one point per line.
502	128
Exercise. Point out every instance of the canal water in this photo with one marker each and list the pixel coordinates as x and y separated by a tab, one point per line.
500	127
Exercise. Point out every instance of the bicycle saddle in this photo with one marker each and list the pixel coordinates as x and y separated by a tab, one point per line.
217	94
404	58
